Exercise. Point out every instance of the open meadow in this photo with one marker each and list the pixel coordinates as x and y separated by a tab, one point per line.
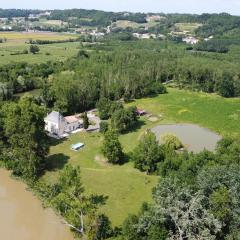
126	187
189	27
17	42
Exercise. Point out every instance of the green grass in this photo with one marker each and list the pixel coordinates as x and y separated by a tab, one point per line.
126	187
208	110
125	24
190	27
58	52
16	43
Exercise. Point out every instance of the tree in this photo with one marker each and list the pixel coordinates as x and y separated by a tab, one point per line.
78	209
104	229
104	106
185	211
129	228
148	153
85	121
124	119
171	141
34	49
226	85
23	127
221	186
103	126
112	148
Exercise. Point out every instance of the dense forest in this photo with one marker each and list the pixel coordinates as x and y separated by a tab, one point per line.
124	70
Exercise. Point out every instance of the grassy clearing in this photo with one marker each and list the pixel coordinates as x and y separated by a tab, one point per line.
125	24
22	37
48	52
190	27
214	112
126	187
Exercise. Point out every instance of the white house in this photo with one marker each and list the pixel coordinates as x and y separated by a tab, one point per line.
190	40
56	124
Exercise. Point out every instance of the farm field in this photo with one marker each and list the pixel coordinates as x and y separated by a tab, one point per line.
14	38
125	24
190	27
16	42
126	187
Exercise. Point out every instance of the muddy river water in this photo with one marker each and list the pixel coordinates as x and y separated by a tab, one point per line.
22	216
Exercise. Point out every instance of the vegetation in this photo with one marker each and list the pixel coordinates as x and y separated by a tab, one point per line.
197	194
148	154
25	144
171	142
85	121
34	49
194	200
112	148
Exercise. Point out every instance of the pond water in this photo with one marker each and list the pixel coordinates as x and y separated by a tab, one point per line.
194	137
22	216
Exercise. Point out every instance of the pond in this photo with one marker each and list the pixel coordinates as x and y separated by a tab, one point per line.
22	216
194	137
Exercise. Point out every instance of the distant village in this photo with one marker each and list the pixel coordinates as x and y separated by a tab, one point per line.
29	25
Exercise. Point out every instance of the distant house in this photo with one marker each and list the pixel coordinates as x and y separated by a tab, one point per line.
190	40
57	124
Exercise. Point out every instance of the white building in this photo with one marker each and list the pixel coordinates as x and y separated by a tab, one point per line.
190	40
56	124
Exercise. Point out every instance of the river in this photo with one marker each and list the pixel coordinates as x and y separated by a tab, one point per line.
22	216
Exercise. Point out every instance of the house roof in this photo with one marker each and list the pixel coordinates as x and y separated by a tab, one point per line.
55	117
71	119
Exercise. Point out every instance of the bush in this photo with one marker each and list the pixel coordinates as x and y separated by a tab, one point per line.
171	141
103	127
34	49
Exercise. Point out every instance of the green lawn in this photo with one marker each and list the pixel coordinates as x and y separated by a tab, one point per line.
126	187
48	52
208	110
16	43
190	27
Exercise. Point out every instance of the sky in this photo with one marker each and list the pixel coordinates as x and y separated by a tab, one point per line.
166	6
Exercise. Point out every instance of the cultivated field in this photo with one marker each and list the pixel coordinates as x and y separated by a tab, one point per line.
21	37
190	27
126	187
125	24
17	43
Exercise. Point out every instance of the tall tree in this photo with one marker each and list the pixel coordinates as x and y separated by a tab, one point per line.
148	153
23	126
112	148
85	121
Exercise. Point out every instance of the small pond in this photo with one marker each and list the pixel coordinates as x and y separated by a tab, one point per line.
194	137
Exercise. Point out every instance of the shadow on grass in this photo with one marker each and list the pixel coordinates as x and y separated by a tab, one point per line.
54	142
56	162
136	127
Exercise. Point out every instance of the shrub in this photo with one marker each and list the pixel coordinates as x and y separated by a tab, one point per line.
171	141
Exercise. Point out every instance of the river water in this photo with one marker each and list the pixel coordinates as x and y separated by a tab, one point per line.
22	216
